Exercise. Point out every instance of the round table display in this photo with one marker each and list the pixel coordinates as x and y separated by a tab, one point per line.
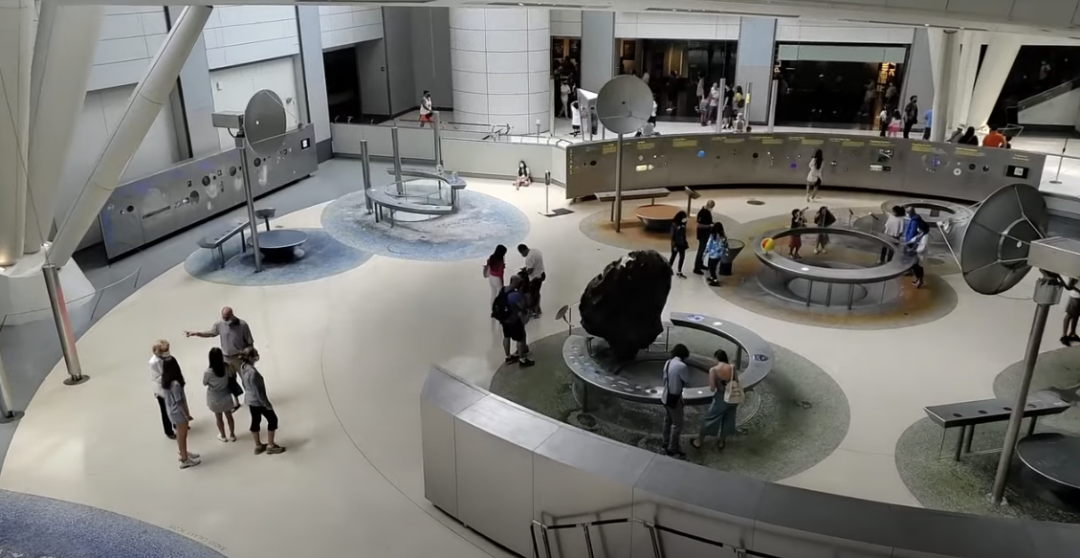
1054	456
281	244
657	217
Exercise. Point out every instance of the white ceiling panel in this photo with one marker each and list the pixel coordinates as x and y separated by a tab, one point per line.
1047	12
992	8
938	5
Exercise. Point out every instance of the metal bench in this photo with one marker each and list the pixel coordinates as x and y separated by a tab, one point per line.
217	241
649	194
969	414
382	200
455	182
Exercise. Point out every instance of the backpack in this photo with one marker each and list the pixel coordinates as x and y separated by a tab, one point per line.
829	219
910	113
500	307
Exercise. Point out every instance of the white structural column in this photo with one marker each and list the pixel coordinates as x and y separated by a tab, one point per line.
501	64
1000	55
970	51
145	104
63	54
18	18
944	53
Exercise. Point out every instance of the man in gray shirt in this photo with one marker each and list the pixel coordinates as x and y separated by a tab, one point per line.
676	376
235	336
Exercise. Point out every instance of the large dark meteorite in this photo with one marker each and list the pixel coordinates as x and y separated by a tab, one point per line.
623	304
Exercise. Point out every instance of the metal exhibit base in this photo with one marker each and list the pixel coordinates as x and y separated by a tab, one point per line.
14	416
819	294
63	325
74	382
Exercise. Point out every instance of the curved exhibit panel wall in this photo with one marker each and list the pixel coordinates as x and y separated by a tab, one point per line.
498	468
910	167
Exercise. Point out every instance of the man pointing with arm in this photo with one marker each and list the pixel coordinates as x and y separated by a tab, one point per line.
235	336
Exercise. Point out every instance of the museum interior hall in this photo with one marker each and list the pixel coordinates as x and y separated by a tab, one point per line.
618	279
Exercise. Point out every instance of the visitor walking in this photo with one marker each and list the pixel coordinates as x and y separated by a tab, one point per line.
911	115
1072	314
719	419
172	382
495	270
920	244
534	268
714	103
160	351
676	376
813	178
219	396
894	229
798	221
824	218
704	229
508	308
426	109
894	123
929	125
715	250
259	404
679	243
564	96
911	228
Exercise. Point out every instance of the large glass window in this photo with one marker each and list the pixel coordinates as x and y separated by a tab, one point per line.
678	72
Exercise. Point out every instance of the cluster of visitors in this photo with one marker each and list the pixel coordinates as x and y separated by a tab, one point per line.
235	358
823	218
712	244
891	119
514	304
719	419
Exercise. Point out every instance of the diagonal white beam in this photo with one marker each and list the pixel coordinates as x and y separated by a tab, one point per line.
63	55
145	104
18	19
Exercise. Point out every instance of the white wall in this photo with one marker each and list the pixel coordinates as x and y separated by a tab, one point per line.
1062	110
667	25
101	113
790	30
346	25
565	23
130	37
233	88
243	34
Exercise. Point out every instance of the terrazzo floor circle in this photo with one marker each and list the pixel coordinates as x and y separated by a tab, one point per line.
802	415
323	257
633	236
481	223
37	527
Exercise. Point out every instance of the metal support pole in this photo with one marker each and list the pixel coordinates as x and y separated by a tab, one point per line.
544	538
654	536
397	161
1057	177
365	165
618	184
537	130
1013	432
7	414
436	125
720	109
772	104
850	295
588	540
249	197
547	199
63	325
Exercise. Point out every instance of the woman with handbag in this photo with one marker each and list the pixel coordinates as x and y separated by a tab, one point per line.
728	393
219	384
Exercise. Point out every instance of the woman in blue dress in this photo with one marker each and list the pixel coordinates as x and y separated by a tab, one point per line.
720	418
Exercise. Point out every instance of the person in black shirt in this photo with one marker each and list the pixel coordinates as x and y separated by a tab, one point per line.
911	115
704	228
679	244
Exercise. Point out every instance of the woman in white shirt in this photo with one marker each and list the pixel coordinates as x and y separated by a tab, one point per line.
575	118
894	229
564	96
813	179
921	242
425	108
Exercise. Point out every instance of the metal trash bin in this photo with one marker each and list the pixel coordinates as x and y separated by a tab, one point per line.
727	262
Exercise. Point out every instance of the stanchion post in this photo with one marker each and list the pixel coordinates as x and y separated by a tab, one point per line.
436	125
365	164
63	325
618	184
547	198
1057	177
772	104
397	160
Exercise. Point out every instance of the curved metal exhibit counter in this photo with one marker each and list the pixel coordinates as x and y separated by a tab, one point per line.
894	165
801	270
498	467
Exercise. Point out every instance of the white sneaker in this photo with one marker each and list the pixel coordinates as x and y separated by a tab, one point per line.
232	438
190	455
189	463
222	438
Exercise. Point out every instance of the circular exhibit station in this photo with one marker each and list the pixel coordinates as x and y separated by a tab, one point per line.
932	211
831	283
641	379
657	217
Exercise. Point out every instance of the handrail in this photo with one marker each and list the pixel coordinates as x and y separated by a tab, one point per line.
1055	91
654	530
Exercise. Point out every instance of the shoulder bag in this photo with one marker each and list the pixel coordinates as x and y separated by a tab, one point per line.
733	393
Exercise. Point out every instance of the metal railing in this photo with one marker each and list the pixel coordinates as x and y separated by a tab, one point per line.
654	529
1056	91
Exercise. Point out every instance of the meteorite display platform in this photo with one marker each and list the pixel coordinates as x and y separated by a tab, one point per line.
641	379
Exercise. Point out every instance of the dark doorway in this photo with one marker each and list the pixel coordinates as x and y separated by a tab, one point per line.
342	85
679	72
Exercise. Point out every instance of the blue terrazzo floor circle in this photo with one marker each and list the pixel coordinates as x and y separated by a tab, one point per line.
481	222
323	256
37	527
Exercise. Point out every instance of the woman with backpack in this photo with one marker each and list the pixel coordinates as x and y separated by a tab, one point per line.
824	218
719	420
813	178
716	249
679	243
510	311
495	270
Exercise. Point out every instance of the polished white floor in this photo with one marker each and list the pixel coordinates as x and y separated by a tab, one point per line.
345	358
